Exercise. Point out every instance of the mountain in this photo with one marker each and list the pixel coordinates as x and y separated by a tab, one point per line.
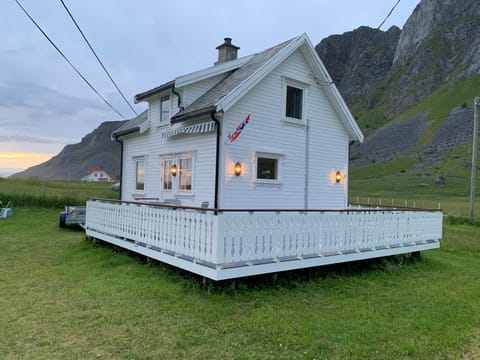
359	60
411	90
95	149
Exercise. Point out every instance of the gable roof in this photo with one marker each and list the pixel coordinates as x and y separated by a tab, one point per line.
243	75
209	101
132	125
94	169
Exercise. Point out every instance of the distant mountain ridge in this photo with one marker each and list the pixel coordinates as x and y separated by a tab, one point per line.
410	90
95	149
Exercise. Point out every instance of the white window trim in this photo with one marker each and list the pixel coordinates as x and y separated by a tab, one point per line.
184	157
176	192
269	155
163	159
299	85
164	123
136	160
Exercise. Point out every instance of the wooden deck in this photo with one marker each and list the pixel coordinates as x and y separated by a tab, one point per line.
225	244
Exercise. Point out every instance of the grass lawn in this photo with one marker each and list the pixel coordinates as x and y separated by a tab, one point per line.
51	193
63	297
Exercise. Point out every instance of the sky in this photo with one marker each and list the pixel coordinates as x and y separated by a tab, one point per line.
44	105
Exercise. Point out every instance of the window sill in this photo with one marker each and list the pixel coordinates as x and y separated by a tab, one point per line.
183	195
163	124
268	183
294	122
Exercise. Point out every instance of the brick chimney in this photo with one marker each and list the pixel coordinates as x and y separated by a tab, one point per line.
227	51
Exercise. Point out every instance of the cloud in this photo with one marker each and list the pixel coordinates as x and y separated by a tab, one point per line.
28	139
44	99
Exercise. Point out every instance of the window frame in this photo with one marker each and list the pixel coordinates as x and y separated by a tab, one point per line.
180	170
139	160
167	170
278	157
163	119
295	104
176	180
286	83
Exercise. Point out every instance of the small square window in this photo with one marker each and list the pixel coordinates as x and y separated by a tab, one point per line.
294	102
267	168
164	108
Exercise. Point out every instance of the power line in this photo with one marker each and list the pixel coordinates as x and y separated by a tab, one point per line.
388	15
98	59
68	61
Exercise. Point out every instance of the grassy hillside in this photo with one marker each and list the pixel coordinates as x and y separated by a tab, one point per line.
396	180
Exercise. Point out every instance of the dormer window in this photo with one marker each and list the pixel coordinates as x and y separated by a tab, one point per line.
164	109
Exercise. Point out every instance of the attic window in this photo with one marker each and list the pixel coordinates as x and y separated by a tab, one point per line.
294	102
164	108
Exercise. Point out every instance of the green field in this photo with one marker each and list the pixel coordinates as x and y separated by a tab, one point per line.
51	193
65	297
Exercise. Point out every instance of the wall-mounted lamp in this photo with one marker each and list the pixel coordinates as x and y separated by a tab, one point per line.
338	176
238	169
173	170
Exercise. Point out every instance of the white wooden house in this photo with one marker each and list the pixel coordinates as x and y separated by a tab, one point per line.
97	173
252	153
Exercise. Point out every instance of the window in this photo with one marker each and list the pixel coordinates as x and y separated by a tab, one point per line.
267	168
167	183
180	183
164	108
140	174
185	174
294	102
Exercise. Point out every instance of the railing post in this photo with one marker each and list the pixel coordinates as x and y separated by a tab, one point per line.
218	243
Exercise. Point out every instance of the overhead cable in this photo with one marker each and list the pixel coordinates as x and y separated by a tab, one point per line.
68	61
96	56
388	15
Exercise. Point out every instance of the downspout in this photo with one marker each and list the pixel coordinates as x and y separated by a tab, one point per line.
179	99
217	160
347	173
121	167
307	165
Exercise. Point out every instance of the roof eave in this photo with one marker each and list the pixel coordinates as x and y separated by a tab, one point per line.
191	115
143	96
116	134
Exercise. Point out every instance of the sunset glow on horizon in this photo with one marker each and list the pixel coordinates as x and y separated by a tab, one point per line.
12	162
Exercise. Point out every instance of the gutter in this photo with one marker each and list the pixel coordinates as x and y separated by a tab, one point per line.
121	166
125	132
217	161
201	112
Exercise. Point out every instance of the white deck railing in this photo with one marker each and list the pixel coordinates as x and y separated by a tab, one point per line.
228	238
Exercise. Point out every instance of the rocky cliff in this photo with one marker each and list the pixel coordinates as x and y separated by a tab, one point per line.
415	86
438	45
359	60
95	149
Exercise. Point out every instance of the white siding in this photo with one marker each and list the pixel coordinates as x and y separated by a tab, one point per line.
267	133
151	146
154	107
